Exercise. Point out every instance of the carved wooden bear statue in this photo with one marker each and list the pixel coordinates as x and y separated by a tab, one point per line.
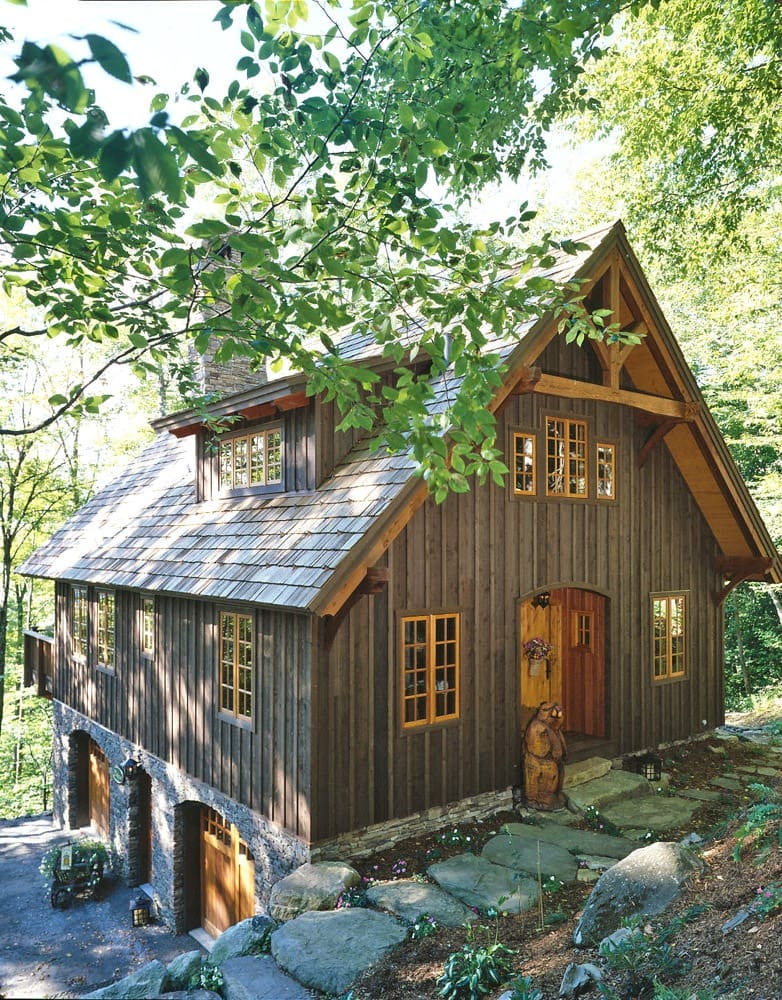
545	752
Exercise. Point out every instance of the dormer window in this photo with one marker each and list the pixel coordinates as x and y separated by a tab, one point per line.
253	459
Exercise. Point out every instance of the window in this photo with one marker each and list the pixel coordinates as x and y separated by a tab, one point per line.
251	459
147	626
582	629
669	636
105	629
524	464
606	463
236	665
566	457
430	673
79	622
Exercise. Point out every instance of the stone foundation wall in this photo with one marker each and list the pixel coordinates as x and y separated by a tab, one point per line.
381	836
276	852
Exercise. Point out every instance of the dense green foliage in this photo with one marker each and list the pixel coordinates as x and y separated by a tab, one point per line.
25	752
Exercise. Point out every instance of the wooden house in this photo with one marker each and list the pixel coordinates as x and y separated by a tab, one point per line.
295	644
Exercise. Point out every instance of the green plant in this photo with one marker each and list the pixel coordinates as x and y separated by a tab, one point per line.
86	849
454	838
208	977
642	962
354	896
424	926
596	821
476	970
768	899
762	822
521	988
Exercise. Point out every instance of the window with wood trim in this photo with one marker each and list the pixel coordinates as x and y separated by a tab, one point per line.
105	628
79	620
669	624
566	457
430	669
147	626
236	665
582	629
524	483
606	468
253	459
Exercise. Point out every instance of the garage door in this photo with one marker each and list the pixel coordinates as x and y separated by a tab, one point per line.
99	790
227	874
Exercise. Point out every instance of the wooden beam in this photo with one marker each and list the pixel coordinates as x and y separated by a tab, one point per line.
374	582
555	385
293	401
738	569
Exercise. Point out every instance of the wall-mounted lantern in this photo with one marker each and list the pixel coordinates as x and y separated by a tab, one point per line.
126	771
541	600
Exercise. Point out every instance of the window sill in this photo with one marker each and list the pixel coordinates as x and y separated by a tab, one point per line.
235	720
101	668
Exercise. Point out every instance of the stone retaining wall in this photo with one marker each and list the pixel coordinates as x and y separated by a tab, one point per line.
276	852
382	836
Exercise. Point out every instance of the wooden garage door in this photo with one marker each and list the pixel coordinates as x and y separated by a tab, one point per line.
99	784
227	874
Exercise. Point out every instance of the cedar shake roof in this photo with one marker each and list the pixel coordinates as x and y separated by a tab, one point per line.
310	550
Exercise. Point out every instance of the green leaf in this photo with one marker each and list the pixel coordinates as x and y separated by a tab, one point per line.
110	58
115	155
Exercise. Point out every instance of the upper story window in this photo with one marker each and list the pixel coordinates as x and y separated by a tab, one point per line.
79	619
566	457
106	629
253	459
236	665
147	626
524	478
430	669
669	622
606	466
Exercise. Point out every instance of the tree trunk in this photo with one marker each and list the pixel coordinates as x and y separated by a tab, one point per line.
740	646
776	600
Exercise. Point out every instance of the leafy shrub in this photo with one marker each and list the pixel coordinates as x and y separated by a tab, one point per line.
643	963
355	896
424	926
521	988
762	821
208	977
84	850
768	899
596	821
454	838
474	971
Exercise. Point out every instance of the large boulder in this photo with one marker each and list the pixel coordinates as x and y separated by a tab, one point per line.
254	976
531	856
646	881
182	969
409	899
312	887
576	841
148	981
329	951
248	937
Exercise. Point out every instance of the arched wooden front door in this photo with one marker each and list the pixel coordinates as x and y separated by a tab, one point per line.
98	796
573	621
227	874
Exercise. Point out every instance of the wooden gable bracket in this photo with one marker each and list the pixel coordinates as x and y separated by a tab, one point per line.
374	582
737	569
690	413
612	358
258	411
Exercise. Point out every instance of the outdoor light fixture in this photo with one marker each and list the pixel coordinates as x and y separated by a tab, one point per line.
650	766
541	600
139	910
130	768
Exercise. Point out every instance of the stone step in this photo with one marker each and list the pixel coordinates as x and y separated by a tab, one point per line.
615	786
585	770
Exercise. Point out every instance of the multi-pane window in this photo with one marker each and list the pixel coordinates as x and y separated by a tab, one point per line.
582	629
606	465
147	626
106	628
430	669
251	459
566	457
236	665
524	464
669	636
79	621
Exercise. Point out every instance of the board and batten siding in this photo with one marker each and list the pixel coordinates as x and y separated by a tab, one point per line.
480	554
168	703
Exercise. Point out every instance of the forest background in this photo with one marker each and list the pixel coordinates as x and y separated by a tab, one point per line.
358	156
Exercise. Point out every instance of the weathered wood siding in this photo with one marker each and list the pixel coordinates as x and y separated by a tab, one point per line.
167	703
479	554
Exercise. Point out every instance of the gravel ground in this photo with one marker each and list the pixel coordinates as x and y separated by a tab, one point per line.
65	953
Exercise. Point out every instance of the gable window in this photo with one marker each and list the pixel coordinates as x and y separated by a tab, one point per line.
606	465
524	464
669	620
430	669
251	459
79	622
105	632
236	665
147	626
566	457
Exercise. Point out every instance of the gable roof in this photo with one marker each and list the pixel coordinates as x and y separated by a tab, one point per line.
310	551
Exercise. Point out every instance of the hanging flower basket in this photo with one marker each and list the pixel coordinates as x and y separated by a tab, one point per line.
537	649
